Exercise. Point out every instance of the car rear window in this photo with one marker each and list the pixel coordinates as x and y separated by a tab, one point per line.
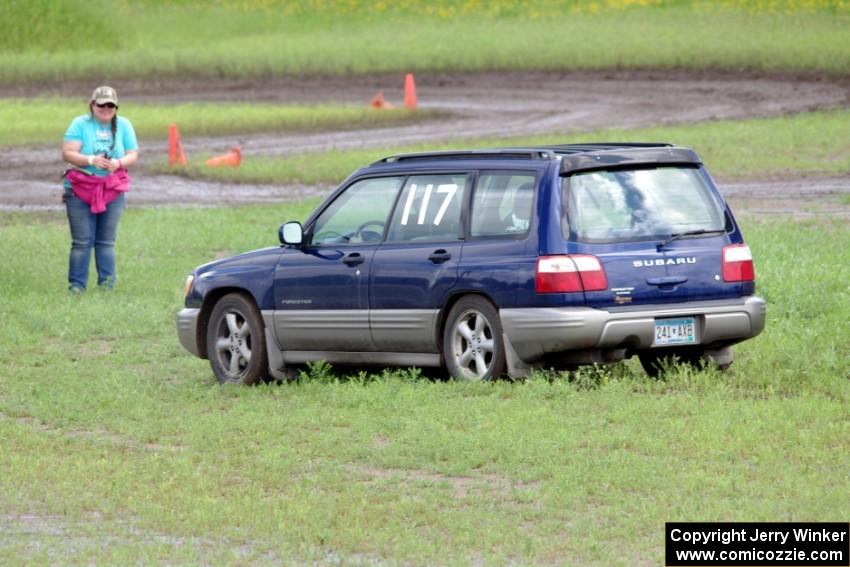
639	204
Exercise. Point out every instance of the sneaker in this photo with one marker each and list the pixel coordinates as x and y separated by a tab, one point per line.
75	290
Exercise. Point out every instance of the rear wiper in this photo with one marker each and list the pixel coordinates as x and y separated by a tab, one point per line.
678	235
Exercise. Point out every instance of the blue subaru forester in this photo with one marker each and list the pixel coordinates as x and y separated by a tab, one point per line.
489	262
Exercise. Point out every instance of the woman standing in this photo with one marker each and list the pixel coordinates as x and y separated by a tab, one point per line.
101	146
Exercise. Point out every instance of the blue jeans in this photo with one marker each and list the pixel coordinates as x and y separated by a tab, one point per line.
89	230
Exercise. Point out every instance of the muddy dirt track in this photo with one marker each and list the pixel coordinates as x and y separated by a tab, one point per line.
475	105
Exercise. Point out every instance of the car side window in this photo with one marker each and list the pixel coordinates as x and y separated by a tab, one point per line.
429	208
502	204
359	214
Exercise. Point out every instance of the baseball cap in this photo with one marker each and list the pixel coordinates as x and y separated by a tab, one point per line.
102	95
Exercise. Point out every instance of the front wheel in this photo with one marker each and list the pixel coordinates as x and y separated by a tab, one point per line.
235	342
472	341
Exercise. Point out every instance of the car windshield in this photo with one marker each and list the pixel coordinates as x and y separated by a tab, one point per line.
639	204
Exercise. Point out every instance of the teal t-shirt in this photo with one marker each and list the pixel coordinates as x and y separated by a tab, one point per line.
96	139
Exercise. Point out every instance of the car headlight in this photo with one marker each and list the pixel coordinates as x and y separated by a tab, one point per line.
187	287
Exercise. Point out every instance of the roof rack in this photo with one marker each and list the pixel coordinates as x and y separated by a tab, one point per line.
502	153
613	152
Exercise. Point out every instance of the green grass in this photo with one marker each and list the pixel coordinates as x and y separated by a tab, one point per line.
810	142
121	443
45	120
260	39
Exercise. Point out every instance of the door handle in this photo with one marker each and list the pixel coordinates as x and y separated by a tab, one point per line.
440	256
353	259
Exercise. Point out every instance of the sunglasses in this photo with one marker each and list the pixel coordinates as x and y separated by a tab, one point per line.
106	105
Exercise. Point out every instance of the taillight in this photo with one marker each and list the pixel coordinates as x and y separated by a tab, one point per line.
569	273
738	264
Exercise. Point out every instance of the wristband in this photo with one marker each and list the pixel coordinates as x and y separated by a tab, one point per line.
91	160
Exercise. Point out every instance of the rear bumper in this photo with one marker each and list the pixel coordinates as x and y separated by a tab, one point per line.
536	332
187	330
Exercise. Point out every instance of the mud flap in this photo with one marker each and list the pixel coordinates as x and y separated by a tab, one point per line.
516	367
722	357
277	368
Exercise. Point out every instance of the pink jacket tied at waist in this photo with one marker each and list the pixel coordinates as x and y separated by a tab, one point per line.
98	191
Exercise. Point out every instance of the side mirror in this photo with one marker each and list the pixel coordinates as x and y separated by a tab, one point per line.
291	233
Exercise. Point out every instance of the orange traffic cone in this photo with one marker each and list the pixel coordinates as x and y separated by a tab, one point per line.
175	148
409	91
231	159
379	102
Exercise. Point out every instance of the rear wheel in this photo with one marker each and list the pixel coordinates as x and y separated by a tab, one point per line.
235	342
655	361
472	341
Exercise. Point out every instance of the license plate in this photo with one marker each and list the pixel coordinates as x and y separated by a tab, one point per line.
675	331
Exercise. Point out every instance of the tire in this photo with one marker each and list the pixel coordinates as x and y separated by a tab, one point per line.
473	346
236	343
654	361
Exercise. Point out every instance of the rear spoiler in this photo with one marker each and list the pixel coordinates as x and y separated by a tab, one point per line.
627	158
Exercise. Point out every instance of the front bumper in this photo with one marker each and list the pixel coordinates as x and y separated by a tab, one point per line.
536	332
187	330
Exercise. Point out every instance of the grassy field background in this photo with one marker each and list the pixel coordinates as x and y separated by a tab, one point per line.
121	443
261	38
43	120
809	142
118	447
